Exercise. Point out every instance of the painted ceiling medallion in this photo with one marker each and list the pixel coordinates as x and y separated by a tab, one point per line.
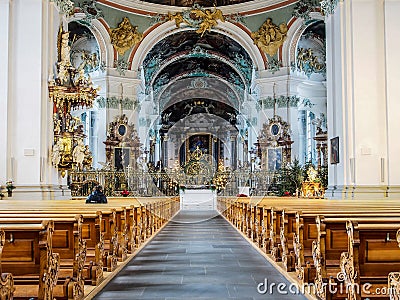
125	36
269	37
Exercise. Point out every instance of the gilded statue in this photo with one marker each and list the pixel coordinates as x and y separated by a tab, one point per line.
202	19
270	37
178	18
209	19
124	36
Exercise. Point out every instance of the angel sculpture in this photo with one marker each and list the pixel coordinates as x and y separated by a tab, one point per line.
209	19
178	19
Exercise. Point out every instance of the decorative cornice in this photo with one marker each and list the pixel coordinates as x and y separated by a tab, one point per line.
274	65
121	66
114	103
328	6
65	6
281	101
247	8
303	8
91	12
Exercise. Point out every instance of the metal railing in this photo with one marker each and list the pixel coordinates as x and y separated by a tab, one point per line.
145	183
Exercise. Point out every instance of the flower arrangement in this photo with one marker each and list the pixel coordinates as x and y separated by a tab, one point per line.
125	193
9	185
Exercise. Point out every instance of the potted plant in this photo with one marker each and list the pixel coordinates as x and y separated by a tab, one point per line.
10	186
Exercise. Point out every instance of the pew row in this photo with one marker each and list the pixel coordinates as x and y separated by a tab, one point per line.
309	239
88	244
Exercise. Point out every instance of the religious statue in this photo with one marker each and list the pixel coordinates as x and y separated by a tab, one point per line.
270	37
124	36
55	155
309	63
178	18
57	124
65	50
78	154
65	145
202	19
88	160
312	174
89	61
209	19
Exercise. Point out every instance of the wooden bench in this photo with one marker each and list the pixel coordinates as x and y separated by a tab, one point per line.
28	255
314	248
372	254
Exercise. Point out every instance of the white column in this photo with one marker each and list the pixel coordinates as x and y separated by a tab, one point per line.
26	91
31	57
301	125
392	44
356	98
4	88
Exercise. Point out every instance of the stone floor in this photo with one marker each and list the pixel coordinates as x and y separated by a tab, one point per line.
198	255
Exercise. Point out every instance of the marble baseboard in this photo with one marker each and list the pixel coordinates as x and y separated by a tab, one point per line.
40	192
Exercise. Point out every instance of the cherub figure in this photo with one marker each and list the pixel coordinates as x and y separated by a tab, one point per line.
209	19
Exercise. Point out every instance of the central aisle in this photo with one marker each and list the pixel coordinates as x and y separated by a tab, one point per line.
198	255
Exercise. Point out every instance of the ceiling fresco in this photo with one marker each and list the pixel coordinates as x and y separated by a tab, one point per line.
211	53
197	66
196	87
187	108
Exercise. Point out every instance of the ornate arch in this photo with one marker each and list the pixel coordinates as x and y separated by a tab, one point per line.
293	36
161	31
99	30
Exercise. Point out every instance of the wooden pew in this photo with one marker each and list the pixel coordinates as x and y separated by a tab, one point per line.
372	254
111	229
31	260
307	230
